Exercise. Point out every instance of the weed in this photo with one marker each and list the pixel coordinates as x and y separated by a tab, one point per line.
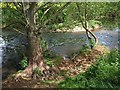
37	71
50	63
23	63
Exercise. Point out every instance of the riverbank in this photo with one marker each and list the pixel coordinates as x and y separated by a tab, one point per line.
104	73
79	28
63	70
62	44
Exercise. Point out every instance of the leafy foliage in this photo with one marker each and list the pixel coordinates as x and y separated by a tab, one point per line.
23	63
103	74
11	15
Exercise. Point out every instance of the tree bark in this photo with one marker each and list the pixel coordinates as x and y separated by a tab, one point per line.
94	36
35	55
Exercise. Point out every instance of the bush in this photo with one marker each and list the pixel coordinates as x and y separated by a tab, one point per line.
103	74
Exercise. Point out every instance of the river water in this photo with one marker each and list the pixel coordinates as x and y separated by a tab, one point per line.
69	42
13	44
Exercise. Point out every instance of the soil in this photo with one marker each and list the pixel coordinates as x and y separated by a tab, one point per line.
65	69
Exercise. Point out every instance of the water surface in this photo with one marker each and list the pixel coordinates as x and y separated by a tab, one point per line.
13	46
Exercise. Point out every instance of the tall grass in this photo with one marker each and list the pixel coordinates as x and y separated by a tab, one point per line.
103	74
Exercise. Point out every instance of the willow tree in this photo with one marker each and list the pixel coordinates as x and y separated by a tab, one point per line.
29	12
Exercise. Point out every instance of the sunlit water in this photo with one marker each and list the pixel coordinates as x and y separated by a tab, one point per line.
2	46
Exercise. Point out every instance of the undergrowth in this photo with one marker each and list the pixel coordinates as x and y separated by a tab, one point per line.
102	74
23	63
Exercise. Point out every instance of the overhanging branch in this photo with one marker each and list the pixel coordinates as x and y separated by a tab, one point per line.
45	13
13	24
40	7
57	13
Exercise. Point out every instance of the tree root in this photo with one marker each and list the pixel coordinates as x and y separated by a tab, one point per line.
29	74
25	74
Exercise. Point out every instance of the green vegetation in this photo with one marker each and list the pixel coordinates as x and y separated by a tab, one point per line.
23	63
92	43
37	71
103	74
69	17
36	18
51	58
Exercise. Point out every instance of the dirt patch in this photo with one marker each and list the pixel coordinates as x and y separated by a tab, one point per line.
64	69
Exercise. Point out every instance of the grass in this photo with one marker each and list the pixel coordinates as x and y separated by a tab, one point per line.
103	74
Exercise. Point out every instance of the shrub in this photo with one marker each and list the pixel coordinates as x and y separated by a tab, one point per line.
103	74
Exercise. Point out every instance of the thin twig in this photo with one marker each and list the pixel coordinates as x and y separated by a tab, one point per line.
13	24
18	31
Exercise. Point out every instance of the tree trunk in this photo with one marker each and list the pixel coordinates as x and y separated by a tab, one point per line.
35	55
35	51
88	32
94	36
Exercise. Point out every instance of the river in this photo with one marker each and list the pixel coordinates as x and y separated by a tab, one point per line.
13	44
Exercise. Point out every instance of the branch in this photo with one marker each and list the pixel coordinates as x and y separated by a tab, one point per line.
94	36
84	26
18	31
58	12
40	7
53	16
79	14
13	24
85	15
45	13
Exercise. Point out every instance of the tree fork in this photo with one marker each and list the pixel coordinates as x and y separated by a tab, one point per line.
85	26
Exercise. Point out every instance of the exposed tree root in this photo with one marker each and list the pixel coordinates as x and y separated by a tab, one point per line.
25	74
29	74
